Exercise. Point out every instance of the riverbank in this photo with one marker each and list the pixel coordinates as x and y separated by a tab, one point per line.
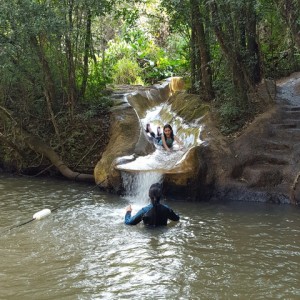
78	143
257	164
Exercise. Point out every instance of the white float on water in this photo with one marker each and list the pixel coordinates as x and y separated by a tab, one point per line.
42	214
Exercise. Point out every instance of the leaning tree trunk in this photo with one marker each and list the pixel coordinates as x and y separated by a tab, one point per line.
48	82
37	145
71	80
40	147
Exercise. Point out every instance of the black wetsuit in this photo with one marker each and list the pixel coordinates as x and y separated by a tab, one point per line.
150	217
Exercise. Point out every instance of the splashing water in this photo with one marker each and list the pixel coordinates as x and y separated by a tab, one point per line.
140	173
138	184
159	161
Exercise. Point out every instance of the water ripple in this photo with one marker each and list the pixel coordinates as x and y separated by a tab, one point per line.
84	251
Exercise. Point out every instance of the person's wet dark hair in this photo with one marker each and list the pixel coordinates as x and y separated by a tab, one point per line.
155	193
172	133
149	130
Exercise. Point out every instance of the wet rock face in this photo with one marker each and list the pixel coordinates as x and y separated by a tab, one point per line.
261	164
177	84
127	137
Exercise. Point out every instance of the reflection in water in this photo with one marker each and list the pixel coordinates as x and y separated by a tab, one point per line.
84	251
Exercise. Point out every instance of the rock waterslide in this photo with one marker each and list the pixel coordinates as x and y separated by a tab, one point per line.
260	164
131	150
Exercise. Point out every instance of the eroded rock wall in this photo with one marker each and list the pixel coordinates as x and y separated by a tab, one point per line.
258	164
127	137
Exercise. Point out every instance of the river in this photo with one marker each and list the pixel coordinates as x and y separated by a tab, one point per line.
83	250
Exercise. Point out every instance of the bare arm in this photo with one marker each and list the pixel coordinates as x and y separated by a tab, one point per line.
178	140
164	143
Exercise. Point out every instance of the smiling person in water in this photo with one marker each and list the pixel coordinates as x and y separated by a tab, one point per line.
154	214
168	137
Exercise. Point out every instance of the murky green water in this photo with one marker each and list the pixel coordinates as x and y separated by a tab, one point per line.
84	251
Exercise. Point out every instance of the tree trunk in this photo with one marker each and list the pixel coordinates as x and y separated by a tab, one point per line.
240	74
50	110
49	86
70	62
206	74
193	61
252	45
48	81
40	147
87	49
290	10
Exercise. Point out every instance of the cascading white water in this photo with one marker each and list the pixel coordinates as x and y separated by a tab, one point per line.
140	173
137	185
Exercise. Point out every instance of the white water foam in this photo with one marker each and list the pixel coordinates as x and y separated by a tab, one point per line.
158	161
137	185
139	174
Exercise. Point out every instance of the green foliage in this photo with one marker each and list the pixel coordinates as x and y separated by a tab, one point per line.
118	49
153	61
127	71
232	117
95	106
277	45
97	80
135	42
95	97
164	67
232	110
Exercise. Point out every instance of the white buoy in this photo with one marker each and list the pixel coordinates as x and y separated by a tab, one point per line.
41	214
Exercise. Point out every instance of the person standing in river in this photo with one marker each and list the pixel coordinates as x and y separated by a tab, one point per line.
168	137
154	214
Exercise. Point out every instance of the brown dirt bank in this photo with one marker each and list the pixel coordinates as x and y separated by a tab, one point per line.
80	143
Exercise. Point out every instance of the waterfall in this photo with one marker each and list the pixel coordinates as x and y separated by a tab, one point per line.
137	185
140	172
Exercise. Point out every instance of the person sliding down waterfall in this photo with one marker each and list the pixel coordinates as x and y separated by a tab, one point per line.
168	137
154	214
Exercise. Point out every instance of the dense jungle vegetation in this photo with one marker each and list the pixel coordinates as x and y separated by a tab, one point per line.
58	58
